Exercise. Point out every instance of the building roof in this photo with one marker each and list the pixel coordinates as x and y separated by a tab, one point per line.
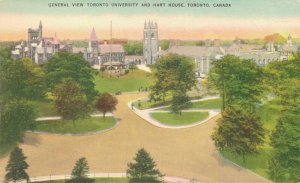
93	36
196	51
261	56
78	50
114	48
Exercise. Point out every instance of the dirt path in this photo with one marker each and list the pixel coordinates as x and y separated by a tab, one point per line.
187	153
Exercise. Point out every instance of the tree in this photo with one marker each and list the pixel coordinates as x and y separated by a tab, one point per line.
106	103
16	167
164	44
180	101
238	131
134	48
70	101
65	65
238	81
143	169
286	143
174	75
21	80
80	171
17	116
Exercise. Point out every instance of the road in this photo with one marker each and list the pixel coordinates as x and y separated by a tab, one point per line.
188	153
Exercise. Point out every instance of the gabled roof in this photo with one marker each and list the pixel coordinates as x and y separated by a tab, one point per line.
93	36
114	48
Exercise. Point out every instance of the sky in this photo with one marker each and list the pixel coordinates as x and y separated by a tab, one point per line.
244	19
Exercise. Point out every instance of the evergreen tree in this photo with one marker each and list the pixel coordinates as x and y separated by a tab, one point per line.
80	171
16	167
143	169
238	131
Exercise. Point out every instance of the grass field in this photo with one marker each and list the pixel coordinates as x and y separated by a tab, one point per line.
207	104
177	119
44	108
269	114
129	82
81	126
97	180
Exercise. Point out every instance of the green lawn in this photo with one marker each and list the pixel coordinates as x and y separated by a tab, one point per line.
82	125
97	180
129	82
269	114
207	104
44	108
176	119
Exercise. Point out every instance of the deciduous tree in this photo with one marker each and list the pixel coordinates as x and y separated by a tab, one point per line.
106	103
70	101
174	75
65	65
238	131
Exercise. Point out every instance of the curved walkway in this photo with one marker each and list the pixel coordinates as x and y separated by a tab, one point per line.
105	175
146	114
188	153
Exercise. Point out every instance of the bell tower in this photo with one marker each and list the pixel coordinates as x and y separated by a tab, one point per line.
150	51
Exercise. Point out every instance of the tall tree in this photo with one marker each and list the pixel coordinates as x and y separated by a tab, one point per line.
284	165
21	79
17	116
174	75
65	65
143	169
238	81
80	171
106	103
238	131
16	167
70	101
284	81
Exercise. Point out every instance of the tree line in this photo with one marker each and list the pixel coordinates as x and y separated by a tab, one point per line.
243	85
66	78
142	169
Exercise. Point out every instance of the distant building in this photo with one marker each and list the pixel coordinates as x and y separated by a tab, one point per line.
202	55
39	48
151	44
103	54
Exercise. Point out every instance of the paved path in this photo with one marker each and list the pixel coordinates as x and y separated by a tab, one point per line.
187	153
58	117
146	114
144	68
104	175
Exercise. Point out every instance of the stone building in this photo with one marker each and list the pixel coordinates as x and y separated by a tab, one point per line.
39	48
151	44
106	54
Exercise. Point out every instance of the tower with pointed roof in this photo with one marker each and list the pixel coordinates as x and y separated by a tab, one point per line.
34	39
93	46
289	41
150	51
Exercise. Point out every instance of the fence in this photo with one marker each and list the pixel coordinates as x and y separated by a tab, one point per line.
104	175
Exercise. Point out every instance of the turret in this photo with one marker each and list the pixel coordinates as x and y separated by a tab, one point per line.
41	30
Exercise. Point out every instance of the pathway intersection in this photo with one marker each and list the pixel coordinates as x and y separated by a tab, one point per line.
188	153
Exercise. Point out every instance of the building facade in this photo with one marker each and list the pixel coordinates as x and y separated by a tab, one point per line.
39	48
151	43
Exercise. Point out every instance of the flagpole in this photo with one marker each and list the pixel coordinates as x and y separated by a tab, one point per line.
110	46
